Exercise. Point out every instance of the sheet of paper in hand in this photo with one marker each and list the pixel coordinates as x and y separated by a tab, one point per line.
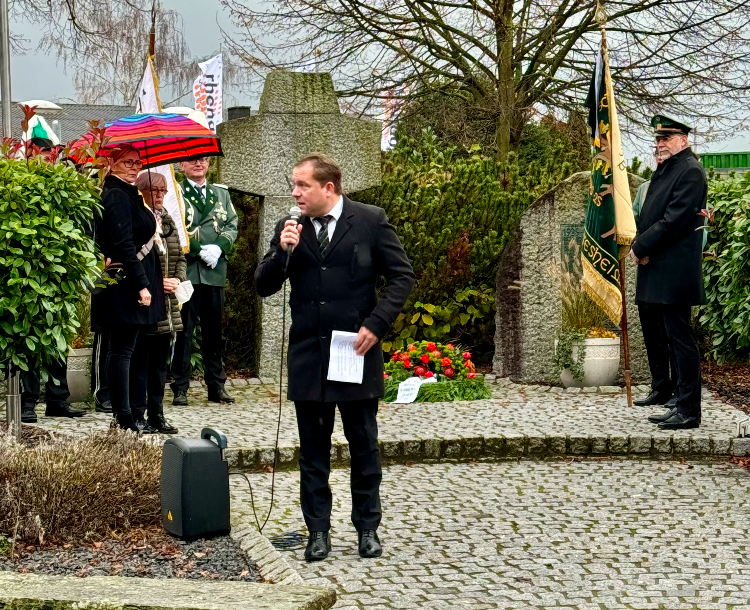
344	364
408	389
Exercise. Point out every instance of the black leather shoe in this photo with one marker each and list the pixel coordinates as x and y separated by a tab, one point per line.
125	422
62	409
180	398
369	544
657	419
318	546
654	398
220	396
680	422
103	407
161	425
144	427
28	414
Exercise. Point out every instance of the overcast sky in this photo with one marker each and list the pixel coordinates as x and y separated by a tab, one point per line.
38	76
203	19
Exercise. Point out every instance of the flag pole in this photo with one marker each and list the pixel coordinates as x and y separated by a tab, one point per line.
625	339
601	18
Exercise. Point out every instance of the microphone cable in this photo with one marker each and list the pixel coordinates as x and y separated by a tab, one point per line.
278	424
295	215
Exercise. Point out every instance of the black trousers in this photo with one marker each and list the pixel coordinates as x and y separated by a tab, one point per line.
99	388
661	357
207	306
148	375
122	342
682	350
315	424
55	390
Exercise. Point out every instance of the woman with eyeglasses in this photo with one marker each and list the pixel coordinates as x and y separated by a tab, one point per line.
135	303
148	368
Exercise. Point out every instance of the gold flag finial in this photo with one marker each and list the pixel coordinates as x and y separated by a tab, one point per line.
600	15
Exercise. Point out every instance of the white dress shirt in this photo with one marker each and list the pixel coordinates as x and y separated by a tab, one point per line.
200	188
336	213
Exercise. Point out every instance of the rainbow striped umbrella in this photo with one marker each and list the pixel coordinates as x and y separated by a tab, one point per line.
160	138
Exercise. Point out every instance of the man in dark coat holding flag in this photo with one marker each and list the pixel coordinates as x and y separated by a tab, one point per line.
668	250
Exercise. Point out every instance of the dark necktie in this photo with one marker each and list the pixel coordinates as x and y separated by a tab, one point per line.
323	232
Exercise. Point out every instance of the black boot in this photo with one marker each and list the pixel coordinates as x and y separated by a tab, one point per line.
369	544
657	419
62	409
28	413
654	398
161	425
180	398
125	421
680	421
219	395
318	546
103	407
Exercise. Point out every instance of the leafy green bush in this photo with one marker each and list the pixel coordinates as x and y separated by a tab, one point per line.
725	319
454	214
46	257
242	303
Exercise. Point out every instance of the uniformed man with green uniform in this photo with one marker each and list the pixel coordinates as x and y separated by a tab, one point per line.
211	223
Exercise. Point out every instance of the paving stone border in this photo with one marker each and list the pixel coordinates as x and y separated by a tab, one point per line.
518	445
273	566
36	592
510	446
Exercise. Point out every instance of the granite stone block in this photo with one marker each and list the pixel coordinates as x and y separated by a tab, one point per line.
640	443
618	444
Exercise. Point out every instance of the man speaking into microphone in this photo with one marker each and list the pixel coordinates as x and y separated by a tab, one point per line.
333	258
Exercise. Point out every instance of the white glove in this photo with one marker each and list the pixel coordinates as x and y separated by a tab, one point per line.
210	255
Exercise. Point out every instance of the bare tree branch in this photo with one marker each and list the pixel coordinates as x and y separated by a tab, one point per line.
508	60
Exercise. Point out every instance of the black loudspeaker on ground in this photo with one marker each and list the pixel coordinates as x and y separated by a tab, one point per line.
195	486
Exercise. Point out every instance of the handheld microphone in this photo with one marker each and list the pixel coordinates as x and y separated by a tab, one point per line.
296	214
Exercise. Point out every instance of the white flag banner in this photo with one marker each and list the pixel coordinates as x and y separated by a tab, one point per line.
207	90
149	103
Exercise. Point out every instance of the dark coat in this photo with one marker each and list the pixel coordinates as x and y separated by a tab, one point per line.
125	226
337	292
667	234
173	264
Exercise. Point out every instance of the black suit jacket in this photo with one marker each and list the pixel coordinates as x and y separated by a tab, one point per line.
667	234
336	291
125	226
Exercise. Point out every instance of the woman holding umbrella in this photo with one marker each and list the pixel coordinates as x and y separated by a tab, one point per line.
135	303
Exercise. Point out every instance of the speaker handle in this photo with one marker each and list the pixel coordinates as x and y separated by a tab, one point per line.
218	436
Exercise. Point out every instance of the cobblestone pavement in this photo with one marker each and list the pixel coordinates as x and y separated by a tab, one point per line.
514	409
591	535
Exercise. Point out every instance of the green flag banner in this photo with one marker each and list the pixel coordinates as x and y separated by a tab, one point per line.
609	213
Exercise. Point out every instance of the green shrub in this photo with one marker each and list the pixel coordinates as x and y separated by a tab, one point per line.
454	212
46	257
725	319
242	303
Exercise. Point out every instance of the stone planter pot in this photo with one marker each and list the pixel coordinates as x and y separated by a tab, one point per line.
601	366
79	374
